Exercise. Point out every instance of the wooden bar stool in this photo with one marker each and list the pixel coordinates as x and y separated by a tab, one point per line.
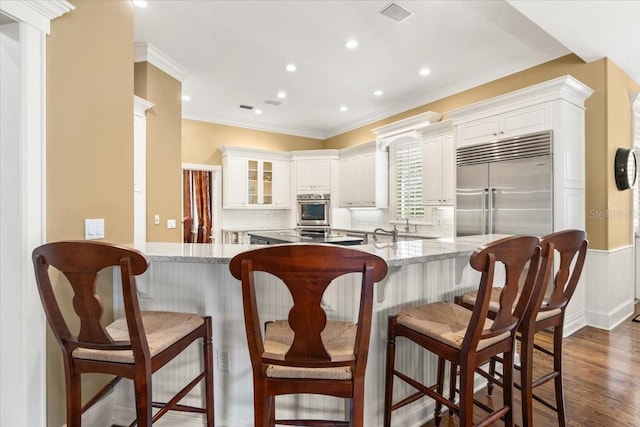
569	247
134	346
308	354
468	338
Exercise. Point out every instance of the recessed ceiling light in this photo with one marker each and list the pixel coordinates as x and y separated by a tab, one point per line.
351	44
257	111
140	3
291	68
378	93
425	72
186	98
282	94
343	108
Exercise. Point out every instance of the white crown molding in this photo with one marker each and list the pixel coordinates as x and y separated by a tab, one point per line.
146	52
413	123
141	105
259	126
565	87
36	13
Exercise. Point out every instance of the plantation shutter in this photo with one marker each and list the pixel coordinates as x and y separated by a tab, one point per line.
408	179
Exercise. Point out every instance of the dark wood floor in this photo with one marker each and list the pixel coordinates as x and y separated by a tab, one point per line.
602	380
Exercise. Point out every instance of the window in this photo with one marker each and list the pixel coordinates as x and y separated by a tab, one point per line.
406	162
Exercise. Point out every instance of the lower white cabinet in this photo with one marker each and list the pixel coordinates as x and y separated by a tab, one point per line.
253	178
364	177
438	170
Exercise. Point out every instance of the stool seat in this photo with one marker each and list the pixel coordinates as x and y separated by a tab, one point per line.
445	322
162	329
469	299
339	339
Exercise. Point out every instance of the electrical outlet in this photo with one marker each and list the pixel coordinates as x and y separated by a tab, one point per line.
156	219
223	360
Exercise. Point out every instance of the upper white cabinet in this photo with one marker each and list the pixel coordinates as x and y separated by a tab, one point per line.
313	175
254	178
438	165
313	170
517	122
364	177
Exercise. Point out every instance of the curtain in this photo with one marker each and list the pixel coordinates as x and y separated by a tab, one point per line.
197	206
187	207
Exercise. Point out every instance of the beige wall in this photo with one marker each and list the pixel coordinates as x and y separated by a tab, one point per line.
89	145
164	136
201	140
618	134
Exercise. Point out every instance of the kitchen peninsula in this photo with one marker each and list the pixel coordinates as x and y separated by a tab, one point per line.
195	278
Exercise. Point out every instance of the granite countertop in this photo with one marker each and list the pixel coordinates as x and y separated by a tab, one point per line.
396	254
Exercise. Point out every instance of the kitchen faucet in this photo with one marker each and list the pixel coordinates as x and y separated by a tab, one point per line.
393	233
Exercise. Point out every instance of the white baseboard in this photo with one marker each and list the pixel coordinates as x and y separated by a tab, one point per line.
574	322
611	319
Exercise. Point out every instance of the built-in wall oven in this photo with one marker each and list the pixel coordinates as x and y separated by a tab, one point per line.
314	210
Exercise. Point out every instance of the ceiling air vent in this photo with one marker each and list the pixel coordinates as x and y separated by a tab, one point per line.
246	107
396	12
272	102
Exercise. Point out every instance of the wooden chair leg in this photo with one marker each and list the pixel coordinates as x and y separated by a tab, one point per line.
357	405
142	387
507	386
208	381
526	378
466	394
391	357
557	366
261	406
492	372
74	399
271	408
453	375
437	413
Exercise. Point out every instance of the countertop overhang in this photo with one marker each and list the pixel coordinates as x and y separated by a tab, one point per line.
396	254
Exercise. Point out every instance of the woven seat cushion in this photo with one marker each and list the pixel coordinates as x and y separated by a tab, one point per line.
470	298
162	328
445	322
338	339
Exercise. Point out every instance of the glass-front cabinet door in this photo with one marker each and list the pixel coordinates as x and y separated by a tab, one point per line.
252	182
259	182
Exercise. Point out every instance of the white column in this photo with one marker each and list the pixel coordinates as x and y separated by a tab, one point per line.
22	212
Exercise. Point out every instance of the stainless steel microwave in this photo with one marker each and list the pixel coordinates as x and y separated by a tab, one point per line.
314	209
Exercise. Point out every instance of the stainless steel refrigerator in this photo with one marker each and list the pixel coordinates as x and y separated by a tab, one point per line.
505	187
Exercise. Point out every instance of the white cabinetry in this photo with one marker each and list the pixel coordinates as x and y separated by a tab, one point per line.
254	178
438	165
315	170
313	175
517	122
364	177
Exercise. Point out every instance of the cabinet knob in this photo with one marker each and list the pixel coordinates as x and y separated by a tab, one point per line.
495	134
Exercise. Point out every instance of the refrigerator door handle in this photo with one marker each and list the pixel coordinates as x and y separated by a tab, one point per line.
485	207
492	207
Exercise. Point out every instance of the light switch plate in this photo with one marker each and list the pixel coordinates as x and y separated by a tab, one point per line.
171	223
94	228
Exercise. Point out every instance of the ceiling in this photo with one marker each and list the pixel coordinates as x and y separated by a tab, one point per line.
235	52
